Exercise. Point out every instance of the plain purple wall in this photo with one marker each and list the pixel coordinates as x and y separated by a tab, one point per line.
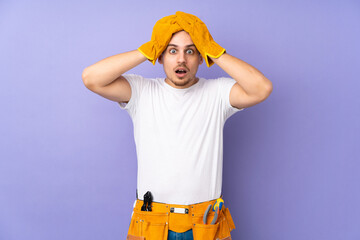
68	158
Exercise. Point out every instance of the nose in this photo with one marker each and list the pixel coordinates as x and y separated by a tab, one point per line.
181	57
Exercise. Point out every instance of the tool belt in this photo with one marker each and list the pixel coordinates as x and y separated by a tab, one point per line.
154	224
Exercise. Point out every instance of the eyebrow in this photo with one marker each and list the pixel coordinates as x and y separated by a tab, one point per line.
190	45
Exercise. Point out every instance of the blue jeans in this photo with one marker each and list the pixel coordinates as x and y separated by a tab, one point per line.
188	235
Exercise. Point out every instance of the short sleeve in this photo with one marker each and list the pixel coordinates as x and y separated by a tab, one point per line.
225	87
137	83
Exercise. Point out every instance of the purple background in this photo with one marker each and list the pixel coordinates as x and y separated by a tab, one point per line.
68	158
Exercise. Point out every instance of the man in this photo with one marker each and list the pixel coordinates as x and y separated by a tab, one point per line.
178	123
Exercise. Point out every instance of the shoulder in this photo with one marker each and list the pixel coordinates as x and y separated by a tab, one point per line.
137	79
220	82
209	82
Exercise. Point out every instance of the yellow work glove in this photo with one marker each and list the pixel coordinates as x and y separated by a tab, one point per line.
201	37
160	38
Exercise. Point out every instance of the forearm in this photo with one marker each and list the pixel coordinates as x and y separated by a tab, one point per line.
248	77
107	70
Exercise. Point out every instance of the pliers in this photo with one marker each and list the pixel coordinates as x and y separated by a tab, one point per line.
218	204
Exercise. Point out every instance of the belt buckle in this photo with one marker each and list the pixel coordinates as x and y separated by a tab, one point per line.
179	210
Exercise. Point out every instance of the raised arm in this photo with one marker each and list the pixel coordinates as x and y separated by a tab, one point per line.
252	86
105	77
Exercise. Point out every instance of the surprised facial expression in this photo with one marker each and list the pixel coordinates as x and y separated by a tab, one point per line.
181	61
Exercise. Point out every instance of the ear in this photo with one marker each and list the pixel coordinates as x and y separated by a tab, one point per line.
160	59
201	59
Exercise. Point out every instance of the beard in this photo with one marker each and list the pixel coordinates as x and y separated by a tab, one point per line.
180	82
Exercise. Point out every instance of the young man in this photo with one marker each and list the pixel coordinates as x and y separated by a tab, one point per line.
178	126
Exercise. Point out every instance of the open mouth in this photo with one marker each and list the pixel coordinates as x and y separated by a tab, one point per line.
180	72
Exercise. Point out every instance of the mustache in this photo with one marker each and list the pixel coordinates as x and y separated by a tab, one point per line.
182	67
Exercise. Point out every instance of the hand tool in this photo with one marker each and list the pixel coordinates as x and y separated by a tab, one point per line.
217	207
147	202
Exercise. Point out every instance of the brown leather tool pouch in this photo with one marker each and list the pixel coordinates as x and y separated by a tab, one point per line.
205	232
218	231
154	225
146	225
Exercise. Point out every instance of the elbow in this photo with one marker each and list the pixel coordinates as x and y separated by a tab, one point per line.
85	77
268	90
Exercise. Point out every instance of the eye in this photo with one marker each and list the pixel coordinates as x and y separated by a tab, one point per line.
172	50
191	51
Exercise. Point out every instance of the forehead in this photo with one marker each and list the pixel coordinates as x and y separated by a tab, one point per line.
181	39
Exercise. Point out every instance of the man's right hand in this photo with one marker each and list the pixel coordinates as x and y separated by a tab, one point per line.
160	38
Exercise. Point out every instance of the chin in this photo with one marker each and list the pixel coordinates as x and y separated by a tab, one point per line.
180	82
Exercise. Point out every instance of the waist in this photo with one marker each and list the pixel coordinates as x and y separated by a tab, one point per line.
196	209
180	217
184	194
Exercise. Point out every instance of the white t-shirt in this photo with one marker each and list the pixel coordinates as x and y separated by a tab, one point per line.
179	137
